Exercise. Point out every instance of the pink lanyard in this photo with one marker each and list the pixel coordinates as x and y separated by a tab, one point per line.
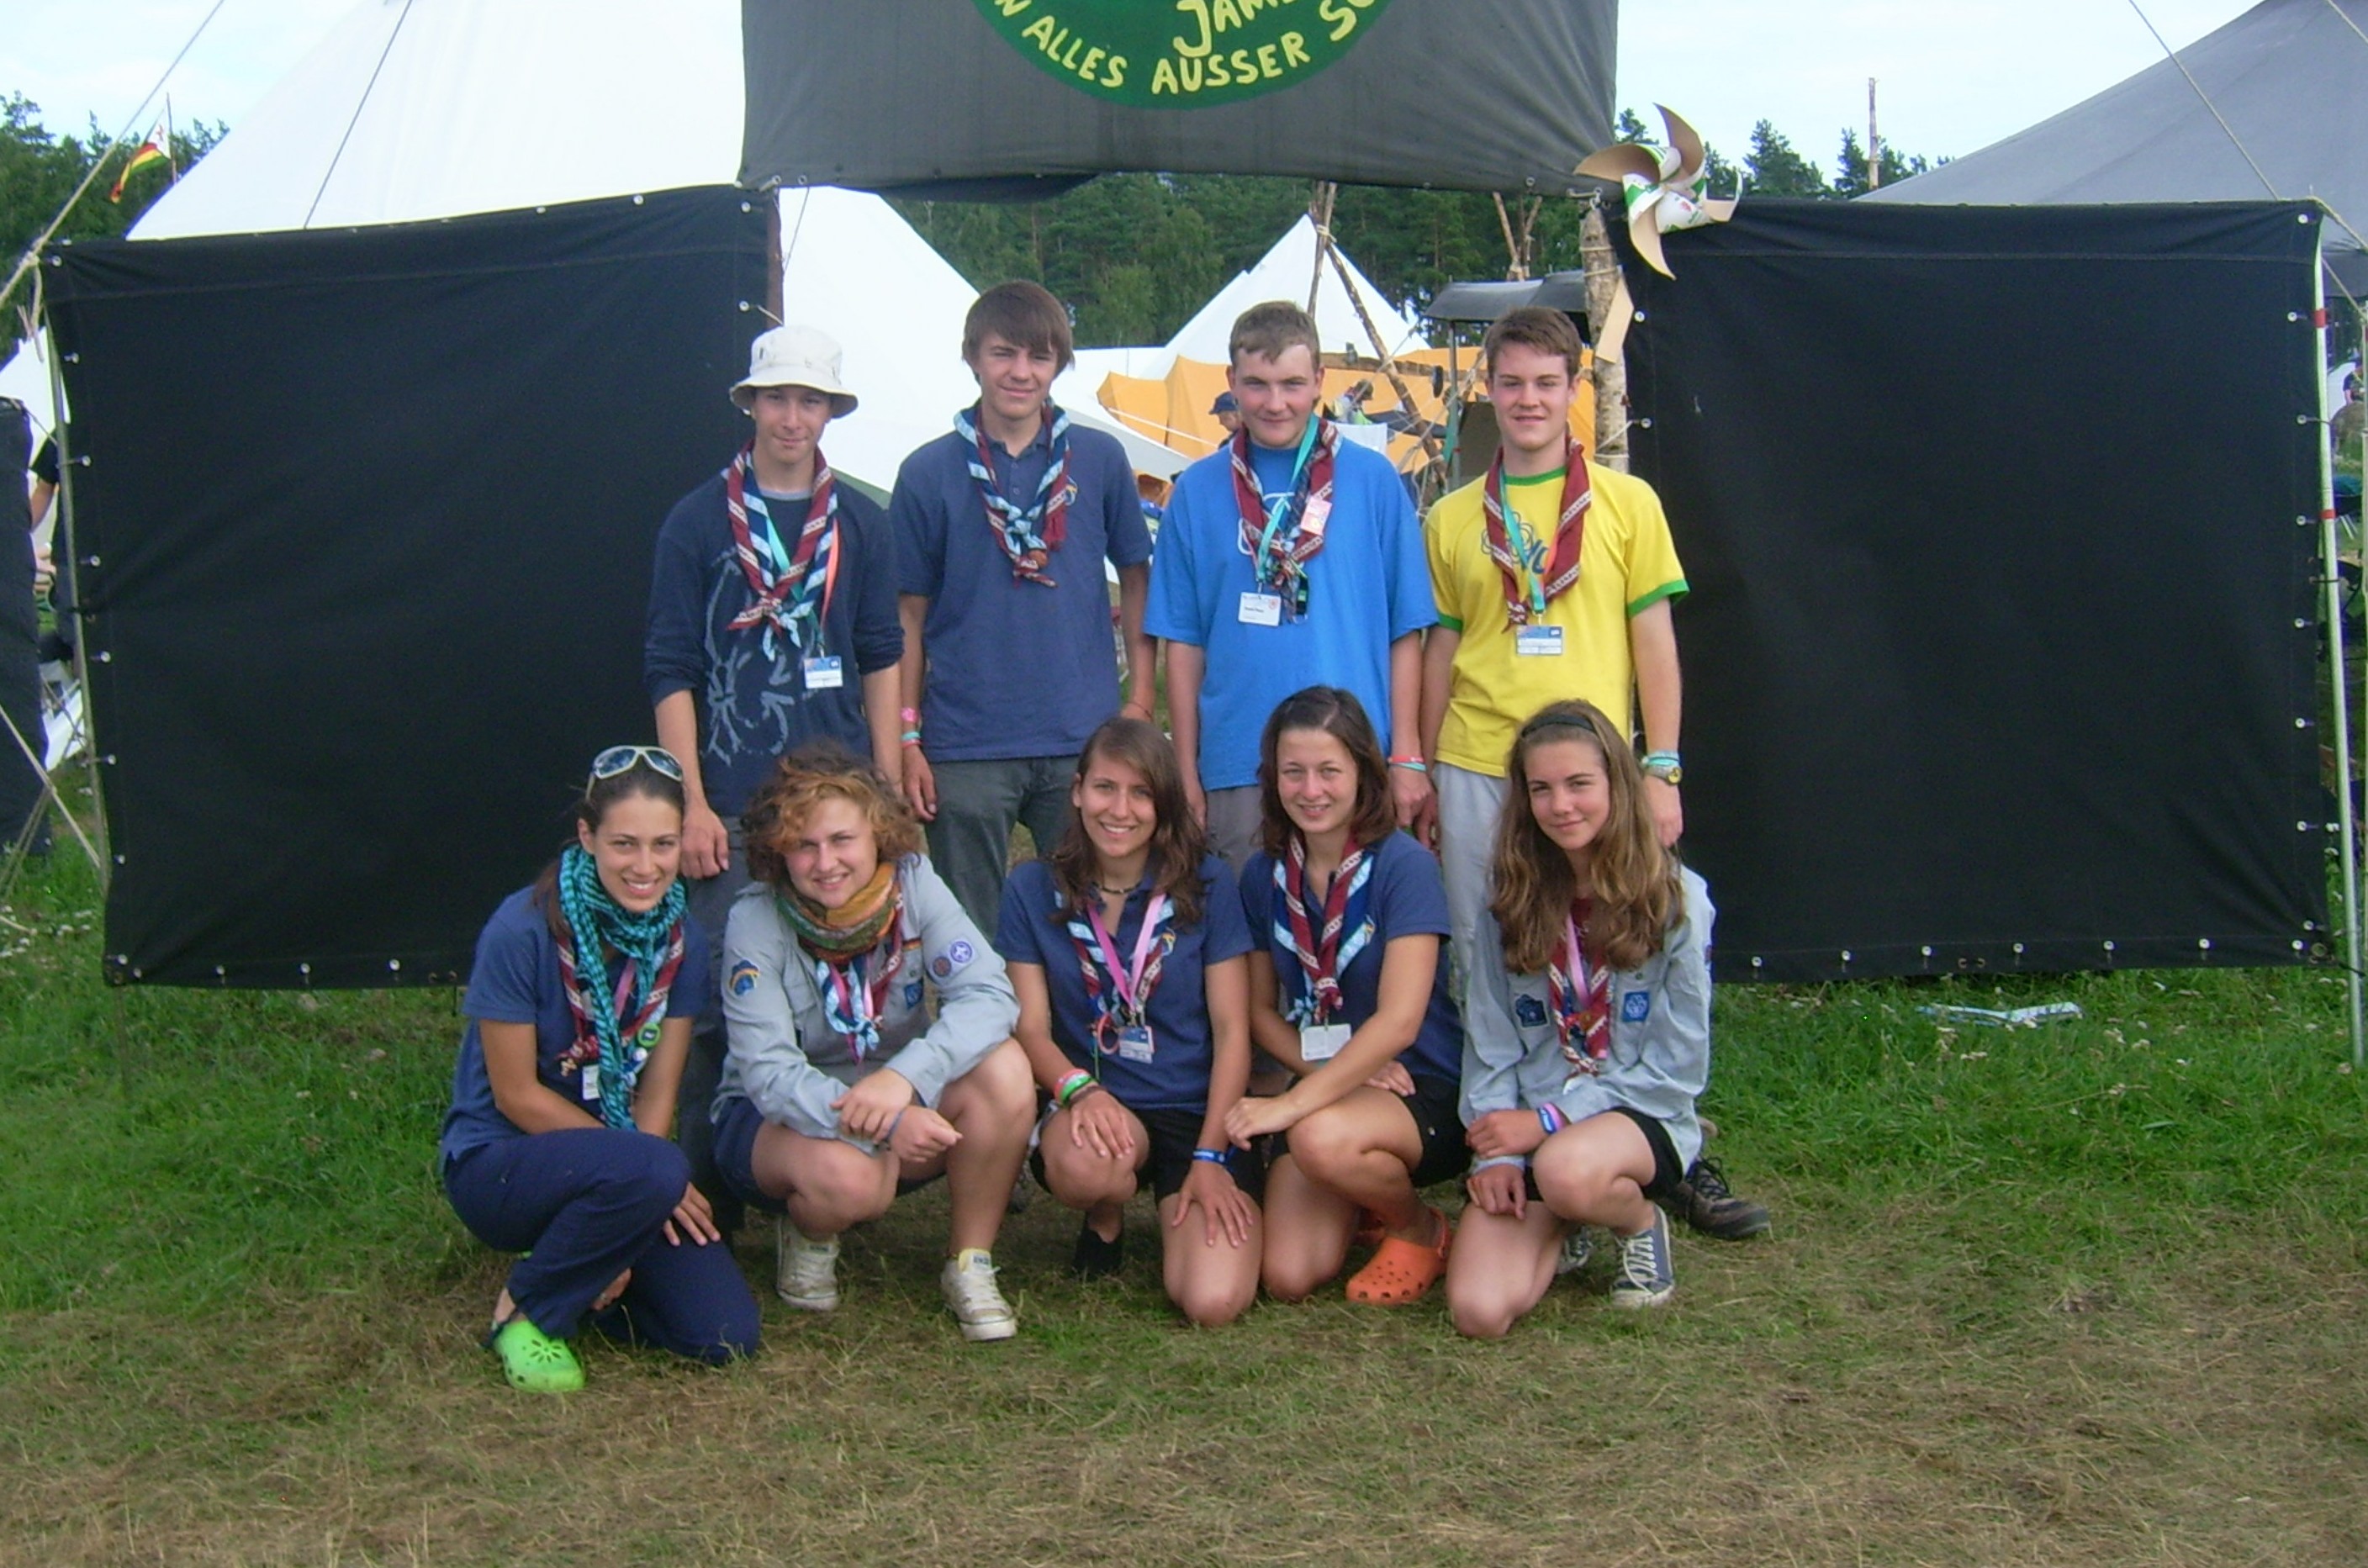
1132	993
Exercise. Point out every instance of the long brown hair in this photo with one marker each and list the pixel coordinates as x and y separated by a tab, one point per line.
815	772
1177	841
591	809
1636	893
1338	714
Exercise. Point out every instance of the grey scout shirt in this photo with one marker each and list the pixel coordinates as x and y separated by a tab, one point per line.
789	1063
1660	1033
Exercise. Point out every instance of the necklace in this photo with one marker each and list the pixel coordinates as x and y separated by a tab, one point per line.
1114	893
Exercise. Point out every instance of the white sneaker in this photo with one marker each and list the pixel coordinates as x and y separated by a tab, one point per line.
971	1295
806	1272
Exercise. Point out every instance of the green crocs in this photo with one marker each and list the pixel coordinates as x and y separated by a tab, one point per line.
534	1361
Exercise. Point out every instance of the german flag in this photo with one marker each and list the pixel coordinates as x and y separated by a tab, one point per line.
154	150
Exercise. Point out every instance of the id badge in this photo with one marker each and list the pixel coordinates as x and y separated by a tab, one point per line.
1537	641
829	674
591	1090
1322	1042
1261	609
1134	1042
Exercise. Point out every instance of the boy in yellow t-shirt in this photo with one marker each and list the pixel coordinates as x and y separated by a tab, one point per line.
1553	579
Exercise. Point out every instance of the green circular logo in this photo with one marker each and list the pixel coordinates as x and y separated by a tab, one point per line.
1181	53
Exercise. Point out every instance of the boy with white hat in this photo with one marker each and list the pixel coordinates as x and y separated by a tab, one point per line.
772	623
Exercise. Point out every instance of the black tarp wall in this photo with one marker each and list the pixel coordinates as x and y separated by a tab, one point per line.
2001	528
365	536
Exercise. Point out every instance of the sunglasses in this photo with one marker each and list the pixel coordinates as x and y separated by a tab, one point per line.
624	760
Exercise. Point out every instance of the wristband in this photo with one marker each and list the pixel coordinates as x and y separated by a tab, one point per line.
1552	1119
1412	764
909	738
1070	1087
1213	1156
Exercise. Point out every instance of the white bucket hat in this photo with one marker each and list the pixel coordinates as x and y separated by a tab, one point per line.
796	357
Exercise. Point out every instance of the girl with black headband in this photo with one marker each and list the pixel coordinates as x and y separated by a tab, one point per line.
1586	1027
557	1144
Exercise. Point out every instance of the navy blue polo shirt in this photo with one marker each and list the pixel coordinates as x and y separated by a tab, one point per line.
1405	898
516	981
1033	929
1016	669
755	708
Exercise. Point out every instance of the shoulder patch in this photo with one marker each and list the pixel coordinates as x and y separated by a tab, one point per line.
958	955
1636	1007
1528	1012
744	978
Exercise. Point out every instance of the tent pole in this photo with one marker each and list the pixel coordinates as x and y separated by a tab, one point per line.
2330	564
94	760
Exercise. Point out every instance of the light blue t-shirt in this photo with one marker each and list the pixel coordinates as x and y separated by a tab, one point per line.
1368	586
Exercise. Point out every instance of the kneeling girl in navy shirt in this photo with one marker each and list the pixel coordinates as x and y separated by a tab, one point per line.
839	1088
1348	991
556	1145
1586	1027
1126	949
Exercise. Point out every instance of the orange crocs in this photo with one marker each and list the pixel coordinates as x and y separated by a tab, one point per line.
1402	1272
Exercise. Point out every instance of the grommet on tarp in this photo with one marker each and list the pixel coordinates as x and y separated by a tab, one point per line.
305	971
1757	961
637	200
221	975
393	965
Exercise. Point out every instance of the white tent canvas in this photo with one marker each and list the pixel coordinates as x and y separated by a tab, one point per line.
419	109
1283	273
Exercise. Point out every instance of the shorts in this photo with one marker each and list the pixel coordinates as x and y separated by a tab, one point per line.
735	1149
1435	1105
1667	1172
1174	1135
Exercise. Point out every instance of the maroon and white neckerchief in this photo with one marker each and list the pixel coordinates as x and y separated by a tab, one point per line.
1281	540
796	597
1029	534
1322	954
1580	995
1560	569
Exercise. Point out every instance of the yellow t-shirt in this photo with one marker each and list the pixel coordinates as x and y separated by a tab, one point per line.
1626	564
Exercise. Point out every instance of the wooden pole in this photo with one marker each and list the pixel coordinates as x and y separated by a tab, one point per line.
1319	212
1873	144
1601	265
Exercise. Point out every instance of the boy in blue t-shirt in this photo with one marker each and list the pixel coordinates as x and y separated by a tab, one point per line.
1289	557
1003	526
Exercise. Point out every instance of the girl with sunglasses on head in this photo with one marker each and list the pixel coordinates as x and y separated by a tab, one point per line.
1348	990
557	1143
840	1088
1126	948
1587	1023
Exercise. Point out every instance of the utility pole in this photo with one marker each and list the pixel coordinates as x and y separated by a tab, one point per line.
1874	144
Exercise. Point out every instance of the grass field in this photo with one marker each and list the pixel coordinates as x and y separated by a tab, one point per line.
2090	1294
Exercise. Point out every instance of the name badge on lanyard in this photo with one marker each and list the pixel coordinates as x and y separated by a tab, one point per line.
591	1080
1322	1042
1261	609
827	674
1537	641
1131	1010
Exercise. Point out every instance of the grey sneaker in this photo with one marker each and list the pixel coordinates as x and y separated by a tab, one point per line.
1645	1279
971	1297
1576	1248
806	1271
1704	1201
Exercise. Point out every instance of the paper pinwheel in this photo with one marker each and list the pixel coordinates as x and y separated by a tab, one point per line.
1666	188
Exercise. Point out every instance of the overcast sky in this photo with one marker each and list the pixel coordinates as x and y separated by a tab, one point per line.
1956	75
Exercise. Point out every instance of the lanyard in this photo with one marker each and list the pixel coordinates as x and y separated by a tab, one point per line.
1134	994
1281	509
1532	571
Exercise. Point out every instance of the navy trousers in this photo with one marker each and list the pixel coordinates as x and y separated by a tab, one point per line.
586	1204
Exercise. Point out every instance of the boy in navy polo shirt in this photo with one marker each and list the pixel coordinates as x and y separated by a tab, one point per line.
1289	557
772	623
1002	528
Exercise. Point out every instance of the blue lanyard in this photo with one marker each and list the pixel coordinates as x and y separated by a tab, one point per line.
1281	509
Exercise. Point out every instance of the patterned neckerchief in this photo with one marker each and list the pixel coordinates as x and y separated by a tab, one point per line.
618	1035
1113	997
1280	542
1029	534
793	595
1324	955
1545	578
1580	995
